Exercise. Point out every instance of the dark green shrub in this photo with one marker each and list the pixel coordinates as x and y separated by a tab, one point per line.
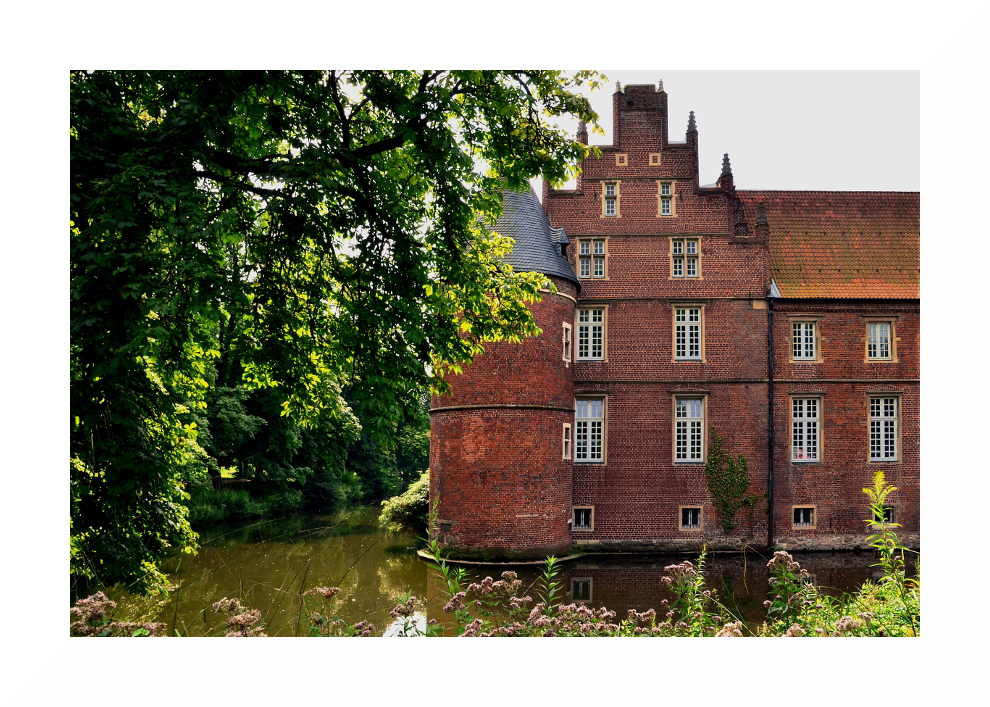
408	511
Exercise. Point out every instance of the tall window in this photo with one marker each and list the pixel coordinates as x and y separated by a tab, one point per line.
566	442
687	333
878	340
592	254
610	199
805	429
803	340
589	430
689	429
591	334
666	196
883	428
685	257
567	341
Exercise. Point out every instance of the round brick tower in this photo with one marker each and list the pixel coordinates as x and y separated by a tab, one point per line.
499	479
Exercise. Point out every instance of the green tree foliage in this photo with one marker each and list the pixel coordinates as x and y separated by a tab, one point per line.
316	233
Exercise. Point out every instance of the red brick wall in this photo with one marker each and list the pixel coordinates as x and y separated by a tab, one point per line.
495	455
845	381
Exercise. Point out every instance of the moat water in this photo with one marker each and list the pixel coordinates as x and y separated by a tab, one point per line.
267	564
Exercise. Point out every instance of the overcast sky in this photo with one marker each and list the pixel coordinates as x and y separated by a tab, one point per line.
819	130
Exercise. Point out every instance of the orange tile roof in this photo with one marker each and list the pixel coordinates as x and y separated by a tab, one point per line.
841	244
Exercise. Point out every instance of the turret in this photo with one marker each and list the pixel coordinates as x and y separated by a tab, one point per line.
499	478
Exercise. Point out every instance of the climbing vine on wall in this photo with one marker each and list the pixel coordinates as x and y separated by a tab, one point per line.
728	481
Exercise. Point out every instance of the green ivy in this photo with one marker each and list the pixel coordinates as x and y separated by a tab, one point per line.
728	481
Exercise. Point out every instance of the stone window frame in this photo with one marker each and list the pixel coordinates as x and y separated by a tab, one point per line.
590	527
817	339
591	257
690	528
589	582
613	198
565	443
568	343
667	193
879	394
604	327
814	516
655	159
820	399
604	433
700	306
684	256
622	160
892	321
703	397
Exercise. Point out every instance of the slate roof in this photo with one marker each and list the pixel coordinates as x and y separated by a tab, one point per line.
537	247
841	244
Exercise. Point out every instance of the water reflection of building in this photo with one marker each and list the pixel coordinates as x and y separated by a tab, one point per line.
786	320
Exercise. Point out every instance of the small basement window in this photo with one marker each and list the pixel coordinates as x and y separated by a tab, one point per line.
583	518
581	589
887	517
804	516
690	518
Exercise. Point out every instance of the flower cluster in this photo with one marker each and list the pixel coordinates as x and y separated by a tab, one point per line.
92	620
241	622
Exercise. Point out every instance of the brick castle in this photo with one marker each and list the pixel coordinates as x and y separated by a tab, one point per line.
787	321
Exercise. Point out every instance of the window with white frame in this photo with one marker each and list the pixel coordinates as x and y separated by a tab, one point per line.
690	518
804	341
583	518
687	333
591	334
666	196
567	342
589	430
805	429
610	199
566	442
883	428
804	516
685	257
879	336
592	256
689	429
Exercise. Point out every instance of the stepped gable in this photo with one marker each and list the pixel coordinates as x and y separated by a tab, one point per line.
537	247
841	244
